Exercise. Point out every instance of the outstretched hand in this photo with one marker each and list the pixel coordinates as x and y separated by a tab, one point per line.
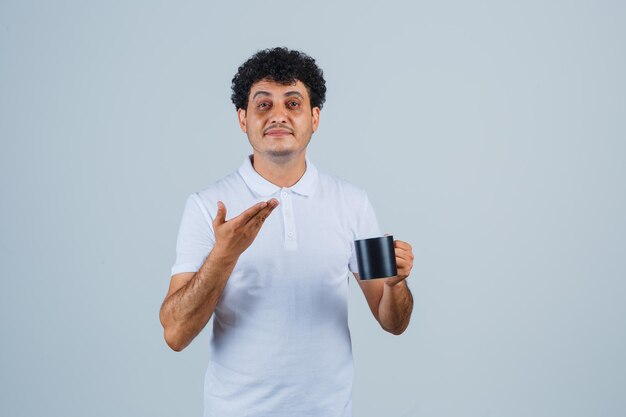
234	236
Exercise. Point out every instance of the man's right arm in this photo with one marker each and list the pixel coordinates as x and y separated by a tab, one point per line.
192	297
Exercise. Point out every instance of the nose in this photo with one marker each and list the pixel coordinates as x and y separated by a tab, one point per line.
279	114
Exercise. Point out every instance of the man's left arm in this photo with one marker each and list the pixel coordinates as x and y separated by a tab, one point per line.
390	299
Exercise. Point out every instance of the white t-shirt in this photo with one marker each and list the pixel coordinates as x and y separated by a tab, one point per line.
280	345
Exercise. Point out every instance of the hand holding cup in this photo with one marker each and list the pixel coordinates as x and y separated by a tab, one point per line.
382	257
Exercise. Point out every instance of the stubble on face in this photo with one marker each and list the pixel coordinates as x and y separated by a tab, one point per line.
274	153
279	121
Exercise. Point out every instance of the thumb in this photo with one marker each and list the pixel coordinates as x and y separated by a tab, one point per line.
220	217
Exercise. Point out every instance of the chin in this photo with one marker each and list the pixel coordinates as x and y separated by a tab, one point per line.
280	153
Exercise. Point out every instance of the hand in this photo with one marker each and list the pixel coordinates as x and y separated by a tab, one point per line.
234	236
404	261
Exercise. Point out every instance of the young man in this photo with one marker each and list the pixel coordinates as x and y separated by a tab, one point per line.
275	276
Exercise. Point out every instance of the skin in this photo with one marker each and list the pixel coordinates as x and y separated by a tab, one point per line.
390	299
279	123
192	297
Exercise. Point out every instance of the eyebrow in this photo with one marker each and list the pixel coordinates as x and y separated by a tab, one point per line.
293	93
287	94
260	93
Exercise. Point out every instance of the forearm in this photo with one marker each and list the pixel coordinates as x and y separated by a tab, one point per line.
396	305
185	312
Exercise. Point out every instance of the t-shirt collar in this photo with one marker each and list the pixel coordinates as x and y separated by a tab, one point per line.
305	185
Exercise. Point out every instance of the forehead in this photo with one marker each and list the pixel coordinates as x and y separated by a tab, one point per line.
277	89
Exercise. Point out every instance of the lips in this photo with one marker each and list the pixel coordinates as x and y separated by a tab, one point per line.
278	132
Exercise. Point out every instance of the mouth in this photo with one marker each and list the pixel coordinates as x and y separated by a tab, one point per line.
278	132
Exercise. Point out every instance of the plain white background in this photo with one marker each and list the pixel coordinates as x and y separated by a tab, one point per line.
488	134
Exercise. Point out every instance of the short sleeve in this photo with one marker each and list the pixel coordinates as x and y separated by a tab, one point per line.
195	237
366	227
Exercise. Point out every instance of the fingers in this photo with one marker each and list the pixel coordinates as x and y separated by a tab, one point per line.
260	217
220	217
404	267
403	253
403	250
258	211
403	263
251	212
402	245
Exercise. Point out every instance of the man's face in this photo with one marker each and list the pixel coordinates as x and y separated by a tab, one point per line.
279	120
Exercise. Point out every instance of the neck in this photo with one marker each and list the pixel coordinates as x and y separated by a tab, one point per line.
283	172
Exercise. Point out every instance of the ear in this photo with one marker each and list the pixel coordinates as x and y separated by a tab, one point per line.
315	116
241	115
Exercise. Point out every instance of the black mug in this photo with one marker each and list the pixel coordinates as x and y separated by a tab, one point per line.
376	257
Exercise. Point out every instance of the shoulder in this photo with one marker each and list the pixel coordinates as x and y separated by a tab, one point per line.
231	183
334	181
205	199
351	203
346	190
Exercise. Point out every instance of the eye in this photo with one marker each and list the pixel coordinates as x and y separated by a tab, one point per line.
263	105
294	104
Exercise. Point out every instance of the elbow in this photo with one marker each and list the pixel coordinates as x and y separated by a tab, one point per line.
170	334
173	341
396	331
175	347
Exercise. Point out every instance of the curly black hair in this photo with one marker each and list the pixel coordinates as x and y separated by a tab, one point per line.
283	66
